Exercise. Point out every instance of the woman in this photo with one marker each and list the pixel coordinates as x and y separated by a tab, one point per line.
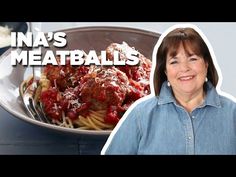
186	115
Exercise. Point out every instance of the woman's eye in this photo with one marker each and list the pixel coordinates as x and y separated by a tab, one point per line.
173	62
193	59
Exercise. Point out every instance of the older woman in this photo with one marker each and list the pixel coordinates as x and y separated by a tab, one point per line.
186	115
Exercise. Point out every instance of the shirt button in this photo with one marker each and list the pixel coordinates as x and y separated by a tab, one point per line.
193	117
189	137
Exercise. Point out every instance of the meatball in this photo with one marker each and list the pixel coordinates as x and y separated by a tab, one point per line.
104	86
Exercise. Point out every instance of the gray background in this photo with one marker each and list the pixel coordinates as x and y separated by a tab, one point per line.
222	37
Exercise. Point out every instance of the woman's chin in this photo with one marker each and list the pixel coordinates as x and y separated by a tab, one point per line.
185	89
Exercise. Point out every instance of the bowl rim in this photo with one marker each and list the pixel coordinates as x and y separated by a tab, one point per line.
111	28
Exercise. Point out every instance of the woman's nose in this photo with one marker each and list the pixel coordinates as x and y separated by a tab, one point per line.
184	66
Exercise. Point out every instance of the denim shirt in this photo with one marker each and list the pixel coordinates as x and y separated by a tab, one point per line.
159	125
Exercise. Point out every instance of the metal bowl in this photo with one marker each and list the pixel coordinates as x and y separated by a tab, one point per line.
85	38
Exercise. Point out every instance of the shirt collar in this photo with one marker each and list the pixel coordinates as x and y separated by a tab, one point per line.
212	97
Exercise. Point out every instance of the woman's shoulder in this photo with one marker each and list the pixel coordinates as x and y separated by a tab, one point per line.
147	100
147	103
227	100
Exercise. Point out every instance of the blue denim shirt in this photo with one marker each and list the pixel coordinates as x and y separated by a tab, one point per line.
159	125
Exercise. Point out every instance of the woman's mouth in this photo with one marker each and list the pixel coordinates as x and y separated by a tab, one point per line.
186	78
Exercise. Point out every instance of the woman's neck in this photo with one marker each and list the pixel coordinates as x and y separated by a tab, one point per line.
190	101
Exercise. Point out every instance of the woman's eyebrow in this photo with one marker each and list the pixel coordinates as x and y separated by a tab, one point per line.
193	55
172	58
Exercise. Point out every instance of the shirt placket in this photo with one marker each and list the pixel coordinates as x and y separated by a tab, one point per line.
189	131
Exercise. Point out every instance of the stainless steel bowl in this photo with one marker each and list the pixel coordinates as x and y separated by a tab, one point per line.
85	38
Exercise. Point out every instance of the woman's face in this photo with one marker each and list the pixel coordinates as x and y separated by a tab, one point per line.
186	71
